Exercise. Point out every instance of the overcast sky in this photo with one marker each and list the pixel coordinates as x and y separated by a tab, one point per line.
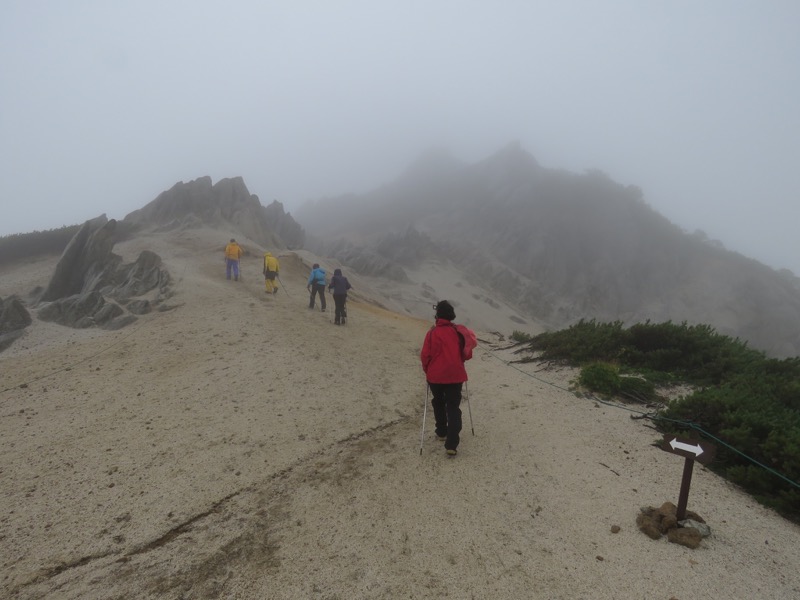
104	104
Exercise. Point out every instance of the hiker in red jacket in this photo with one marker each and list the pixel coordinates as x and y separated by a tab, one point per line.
443	364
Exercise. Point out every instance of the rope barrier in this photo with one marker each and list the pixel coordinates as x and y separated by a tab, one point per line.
651	416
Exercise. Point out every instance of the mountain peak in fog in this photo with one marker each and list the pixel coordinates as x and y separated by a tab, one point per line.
559	247
436	163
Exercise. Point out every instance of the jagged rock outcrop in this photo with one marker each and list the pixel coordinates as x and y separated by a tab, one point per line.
140	277
86	263
228	202
89	272
80	311
287	229
14	318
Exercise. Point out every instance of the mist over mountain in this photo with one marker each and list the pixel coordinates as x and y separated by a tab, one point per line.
557	246
542	247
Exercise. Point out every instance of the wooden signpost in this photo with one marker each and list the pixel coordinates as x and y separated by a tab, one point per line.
691	450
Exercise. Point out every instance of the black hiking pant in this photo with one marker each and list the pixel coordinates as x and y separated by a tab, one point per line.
447	412
341	312
317	288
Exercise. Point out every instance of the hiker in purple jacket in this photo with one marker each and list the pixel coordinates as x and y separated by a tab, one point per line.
339	286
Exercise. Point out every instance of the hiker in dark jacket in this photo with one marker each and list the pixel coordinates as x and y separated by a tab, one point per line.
444	370
316	285
339	285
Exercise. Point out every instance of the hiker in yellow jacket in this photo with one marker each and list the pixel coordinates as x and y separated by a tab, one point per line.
233	252
272	271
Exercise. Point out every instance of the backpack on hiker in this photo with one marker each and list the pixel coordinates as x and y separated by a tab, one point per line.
467	340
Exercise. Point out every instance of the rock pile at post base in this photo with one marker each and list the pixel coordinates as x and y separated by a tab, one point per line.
657	522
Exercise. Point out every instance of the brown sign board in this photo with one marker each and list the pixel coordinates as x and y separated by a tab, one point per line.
702	452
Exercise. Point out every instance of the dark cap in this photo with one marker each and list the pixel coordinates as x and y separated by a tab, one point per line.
445	310
233	240
315	266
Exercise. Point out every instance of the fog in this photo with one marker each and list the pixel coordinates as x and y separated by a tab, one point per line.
103	105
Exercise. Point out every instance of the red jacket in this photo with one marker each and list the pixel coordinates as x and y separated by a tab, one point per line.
441	354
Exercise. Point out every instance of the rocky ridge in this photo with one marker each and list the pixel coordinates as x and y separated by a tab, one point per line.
225	203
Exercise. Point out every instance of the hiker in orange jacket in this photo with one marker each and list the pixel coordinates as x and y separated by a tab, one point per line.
442	361
233	252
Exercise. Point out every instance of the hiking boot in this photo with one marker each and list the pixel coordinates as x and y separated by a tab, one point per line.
452	452
275	291
441	438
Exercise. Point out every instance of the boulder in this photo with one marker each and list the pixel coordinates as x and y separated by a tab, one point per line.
656	522
120	322
690	538
139	307
140	277
649	526
88	272
87	262
75	311
106	313
703	529
14	318
6	339
13	315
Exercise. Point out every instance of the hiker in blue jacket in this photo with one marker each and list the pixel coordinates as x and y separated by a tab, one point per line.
339	285
316	285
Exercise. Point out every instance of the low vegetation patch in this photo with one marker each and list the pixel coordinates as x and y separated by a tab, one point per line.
521	336
18	246
741	398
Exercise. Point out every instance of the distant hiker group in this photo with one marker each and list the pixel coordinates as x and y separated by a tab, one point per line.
445	349
338	287
339	284
271	270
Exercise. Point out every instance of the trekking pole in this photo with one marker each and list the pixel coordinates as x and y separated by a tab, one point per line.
469	408
424	414
284	287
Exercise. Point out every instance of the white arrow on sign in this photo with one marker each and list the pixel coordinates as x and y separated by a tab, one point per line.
676	445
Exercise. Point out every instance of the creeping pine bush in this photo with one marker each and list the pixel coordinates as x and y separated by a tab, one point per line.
638	389
747	401
24	245
754	414
52	241
606	379
602	378
583	342
521	336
